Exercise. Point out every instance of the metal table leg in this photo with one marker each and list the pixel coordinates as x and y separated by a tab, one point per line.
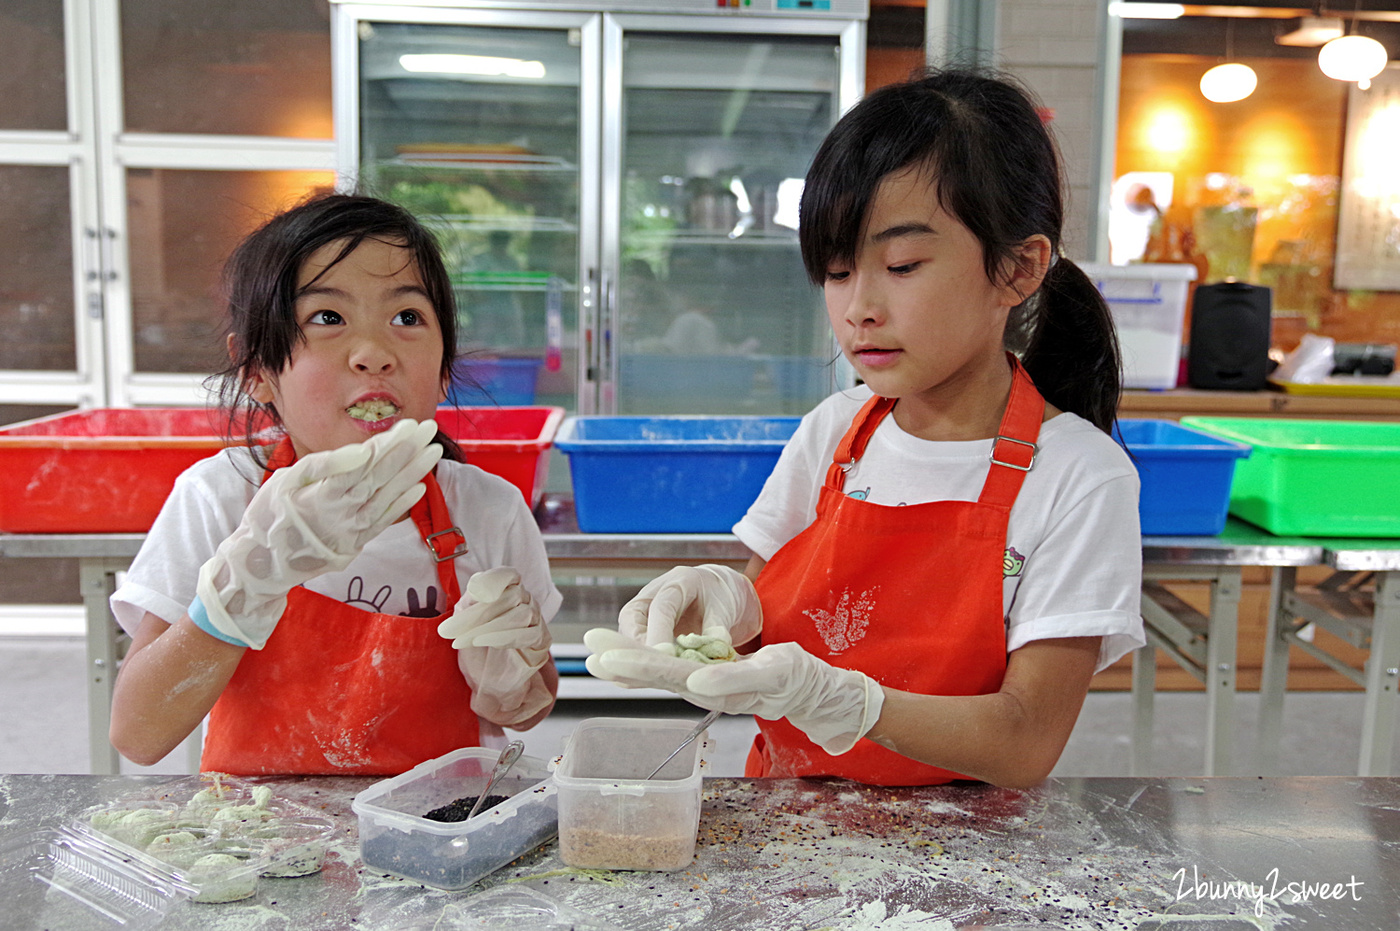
97	579
1273	685
1203	645
1221	669
1144	698
1382	672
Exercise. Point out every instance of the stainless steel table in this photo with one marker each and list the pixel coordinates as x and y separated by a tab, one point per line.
1360	604
1209	854
1203	644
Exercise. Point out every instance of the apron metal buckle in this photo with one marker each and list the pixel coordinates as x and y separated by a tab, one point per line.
1035	450
460	550
848	466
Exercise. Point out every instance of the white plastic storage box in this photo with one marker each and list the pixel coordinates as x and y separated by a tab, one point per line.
611	816
1148	304
451	855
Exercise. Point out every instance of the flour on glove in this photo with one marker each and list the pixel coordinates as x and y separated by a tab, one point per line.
312	517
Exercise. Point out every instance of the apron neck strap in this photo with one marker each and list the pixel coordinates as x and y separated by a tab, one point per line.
1013	450
430	515
852	445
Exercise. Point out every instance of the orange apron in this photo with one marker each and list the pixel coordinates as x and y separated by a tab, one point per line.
910	595
344	691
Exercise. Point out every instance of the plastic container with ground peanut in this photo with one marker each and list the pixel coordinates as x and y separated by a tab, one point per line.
610	815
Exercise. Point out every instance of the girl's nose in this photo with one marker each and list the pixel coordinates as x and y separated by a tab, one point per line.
865	307
372	357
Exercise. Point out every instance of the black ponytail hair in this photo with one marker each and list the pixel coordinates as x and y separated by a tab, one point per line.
997	170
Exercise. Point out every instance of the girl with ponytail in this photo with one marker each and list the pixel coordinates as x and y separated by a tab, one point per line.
945	556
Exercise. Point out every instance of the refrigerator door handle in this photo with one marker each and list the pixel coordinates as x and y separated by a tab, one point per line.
589	375
607	358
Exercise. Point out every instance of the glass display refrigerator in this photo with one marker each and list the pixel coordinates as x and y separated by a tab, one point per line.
615	185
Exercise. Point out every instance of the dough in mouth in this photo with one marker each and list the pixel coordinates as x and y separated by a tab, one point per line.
372	410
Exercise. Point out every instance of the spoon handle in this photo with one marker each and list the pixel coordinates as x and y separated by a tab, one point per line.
503	764
705	722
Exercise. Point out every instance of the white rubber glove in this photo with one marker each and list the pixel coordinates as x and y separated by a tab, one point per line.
723	597
312	517
834	707
502	643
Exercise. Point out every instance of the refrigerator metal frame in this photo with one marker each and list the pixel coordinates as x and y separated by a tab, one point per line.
603	26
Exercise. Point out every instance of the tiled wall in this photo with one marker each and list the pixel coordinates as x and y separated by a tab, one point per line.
1053	48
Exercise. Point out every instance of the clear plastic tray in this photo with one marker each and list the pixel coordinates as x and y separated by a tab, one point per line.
55	878
215	836
519	909
397	839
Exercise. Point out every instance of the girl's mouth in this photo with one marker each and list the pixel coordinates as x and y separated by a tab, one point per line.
876	358
372	410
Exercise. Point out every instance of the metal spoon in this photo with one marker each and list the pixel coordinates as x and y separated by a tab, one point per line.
705	722
503	764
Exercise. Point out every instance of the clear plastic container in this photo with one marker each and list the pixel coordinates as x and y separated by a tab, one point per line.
514	907
396	838
215	837
215	866
611	816
56	878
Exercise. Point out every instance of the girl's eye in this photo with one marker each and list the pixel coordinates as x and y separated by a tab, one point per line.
409	318
325	318
903	269
834	275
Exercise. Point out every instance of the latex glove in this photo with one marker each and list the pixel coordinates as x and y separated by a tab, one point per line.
618	658
307	519
502	643
724	597
834	707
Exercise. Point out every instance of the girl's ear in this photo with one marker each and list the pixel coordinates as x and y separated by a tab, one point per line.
1027	267
258	388
254	384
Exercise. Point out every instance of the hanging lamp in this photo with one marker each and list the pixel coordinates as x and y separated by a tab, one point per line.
1231	81
1353	57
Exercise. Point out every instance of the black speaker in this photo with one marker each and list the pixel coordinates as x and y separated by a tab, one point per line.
1230	330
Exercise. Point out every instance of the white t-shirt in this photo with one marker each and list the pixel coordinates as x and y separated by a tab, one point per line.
394	574
1074	549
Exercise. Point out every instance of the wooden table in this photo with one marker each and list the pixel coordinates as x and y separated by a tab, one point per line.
1175	403
1130	854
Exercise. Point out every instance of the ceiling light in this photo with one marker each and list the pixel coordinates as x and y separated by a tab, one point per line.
1147	10
1228	83
472	64
1353	58
1313	31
